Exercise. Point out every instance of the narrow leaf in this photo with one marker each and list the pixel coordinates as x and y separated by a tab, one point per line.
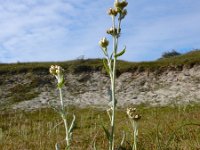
121	53
72	123
94	146
123	138
107	133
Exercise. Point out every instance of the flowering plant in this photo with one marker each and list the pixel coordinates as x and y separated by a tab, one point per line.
119	12
57	71
134	118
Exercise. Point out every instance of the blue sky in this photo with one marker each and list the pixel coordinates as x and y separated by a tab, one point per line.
57	30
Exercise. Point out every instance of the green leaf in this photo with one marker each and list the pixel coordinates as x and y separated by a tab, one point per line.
121	53
72	124
60	84
107	133
106	66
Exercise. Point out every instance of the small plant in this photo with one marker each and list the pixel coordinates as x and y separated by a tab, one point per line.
117	12
57	71
134	118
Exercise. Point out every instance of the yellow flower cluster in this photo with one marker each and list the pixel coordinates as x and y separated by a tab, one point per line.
55	70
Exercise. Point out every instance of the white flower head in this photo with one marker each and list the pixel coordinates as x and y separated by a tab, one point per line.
57	71
104	42
131	112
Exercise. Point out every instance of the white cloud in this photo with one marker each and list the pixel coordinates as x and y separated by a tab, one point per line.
44	30
48	29
164	28
33	29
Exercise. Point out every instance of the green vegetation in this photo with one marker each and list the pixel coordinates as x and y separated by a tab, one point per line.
169	54
88	65
160	128
57	72
75	66
117	13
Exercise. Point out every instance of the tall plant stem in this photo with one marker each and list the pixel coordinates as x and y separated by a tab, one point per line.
115	44
117	11
63	115
61	99
113	116
135	127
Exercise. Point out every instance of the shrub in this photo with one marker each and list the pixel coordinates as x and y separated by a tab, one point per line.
169	54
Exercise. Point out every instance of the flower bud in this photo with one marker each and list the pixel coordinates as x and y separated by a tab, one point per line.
137	117
120	5
117	4
103	42
131	112
112	12
57	71
52	70
112	31
124	3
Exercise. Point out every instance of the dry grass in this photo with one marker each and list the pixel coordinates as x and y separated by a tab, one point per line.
161	128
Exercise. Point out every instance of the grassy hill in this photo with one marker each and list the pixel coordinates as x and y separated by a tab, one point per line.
23	81
76	66
164	128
